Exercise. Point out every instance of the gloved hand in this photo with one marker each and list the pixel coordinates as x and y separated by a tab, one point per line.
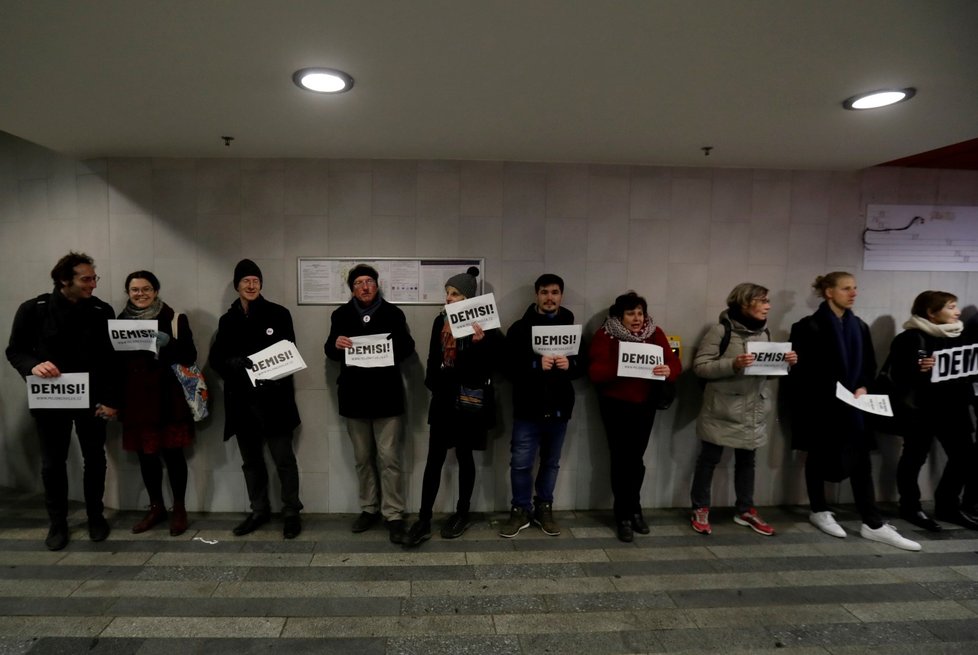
162	338
240	362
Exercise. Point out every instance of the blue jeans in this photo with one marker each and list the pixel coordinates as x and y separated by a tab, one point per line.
547	436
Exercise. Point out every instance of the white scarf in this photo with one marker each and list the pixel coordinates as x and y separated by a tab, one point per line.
940	330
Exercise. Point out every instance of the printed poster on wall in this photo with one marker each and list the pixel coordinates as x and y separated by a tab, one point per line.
67	391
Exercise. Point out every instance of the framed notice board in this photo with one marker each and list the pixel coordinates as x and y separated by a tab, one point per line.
404	281
920	238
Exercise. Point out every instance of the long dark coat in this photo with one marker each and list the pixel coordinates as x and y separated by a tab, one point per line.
269	407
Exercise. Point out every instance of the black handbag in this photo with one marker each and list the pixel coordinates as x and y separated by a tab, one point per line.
664	395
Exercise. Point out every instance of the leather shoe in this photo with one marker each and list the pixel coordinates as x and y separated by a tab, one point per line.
155	515
639	525
57	536
921	520
98	528
397	533
178	520
250	524
365	521
292	528
958	517
625	532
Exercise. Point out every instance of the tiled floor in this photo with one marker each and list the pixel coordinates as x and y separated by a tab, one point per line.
331	591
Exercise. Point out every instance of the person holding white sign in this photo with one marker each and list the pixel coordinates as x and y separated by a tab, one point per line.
834	347
737	407
156	421
66	331
932	409
628	404
258	414
372	400
462	409
543	400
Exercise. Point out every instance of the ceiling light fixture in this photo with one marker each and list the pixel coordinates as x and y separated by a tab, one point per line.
876	99
322	80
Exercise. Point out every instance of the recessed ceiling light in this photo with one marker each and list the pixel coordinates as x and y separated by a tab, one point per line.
322	80
881	98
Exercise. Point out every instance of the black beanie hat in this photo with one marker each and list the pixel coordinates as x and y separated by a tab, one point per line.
244	268
359	271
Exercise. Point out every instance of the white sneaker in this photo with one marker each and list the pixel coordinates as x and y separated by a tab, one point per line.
887	534
825	521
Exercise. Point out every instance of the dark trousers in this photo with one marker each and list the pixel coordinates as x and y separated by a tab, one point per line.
628	427
54	429
151	466
710	454
437	452
861	479
251	446
916	447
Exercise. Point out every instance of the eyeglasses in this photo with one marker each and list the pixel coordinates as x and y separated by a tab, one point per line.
762	301
369	282
141	290
86	279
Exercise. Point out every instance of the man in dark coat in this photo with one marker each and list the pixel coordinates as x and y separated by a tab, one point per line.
66	331
372	399
543	399
258	414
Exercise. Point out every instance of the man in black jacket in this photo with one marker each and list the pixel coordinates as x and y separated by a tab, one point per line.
543	399
258	414
372	400
66	331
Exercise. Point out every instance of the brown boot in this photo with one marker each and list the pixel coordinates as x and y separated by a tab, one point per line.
156	514
178	520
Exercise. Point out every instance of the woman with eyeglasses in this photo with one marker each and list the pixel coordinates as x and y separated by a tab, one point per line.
156	420
737	407
462	409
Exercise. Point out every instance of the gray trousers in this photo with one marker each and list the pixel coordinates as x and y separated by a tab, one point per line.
377	450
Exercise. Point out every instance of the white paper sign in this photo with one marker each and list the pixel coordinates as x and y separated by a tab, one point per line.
133	335
636	360
371	351
868	402
768	358
462	314
275	362
556	339
953	363
67	391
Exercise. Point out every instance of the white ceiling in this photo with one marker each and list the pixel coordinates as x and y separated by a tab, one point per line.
612	81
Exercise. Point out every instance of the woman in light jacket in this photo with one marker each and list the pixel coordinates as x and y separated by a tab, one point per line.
736	408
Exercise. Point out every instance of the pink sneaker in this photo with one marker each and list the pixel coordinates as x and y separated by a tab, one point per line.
700	520
754	522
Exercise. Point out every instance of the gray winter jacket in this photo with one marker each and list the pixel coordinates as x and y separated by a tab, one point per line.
736	407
